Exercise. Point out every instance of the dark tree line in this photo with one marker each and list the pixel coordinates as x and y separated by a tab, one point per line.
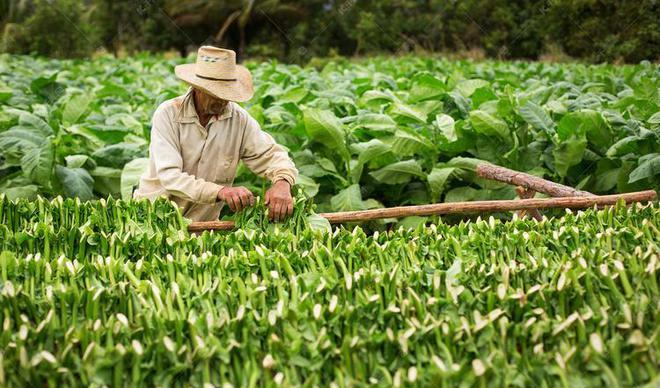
591	30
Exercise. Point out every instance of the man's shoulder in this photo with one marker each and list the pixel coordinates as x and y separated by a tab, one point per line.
170	107
240	113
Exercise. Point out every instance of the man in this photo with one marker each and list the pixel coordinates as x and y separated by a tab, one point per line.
197	140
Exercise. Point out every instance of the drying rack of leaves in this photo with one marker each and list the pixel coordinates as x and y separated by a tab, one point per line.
98	293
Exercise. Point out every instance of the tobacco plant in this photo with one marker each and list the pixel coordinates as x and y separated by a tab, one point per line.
117	293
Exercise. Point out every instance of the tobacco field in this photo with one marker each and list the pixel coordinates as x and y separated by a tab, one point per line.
364	134
115	293
99	290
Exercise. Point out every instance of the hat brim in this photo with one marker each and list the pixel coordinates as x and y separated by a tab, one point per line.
239	90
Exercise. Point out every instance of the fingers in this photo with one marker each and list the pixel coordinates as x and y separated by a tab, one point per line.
238	198
273	210
230	202
244	197
238	202
247	198
279	210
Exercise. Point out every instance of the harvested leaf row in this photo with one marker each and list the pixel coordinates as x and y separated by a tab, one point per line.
572	300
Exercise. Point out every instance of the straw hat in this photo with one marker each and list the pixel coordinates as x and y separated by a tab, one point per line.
217	73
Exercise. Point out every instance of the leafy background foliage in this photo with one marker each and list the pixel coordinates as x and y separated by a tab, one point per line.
299	30
364	134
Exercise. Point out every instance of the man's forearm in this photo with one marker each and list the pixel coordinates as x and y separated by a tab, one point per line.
188	187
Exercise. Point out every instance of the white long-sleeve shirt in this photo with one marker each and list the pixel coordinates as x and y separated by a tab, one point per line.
189	163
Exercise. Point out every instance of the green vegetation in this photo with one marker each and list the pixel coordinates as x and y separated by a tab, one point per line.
100	291
115	293
365	134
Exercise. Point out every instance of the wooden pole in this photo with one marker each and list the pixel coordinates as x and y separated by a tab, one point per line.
506	175
524	193
577	202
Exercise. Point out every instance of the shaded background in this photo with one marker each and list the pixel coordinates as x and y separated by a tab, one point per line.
297	31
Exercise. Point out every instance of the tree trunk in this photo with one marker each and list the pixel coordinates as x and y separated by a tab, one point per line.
241	42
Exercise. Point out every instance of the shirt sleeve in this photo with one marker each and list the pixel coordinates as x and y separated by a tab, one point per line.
264	156
165	151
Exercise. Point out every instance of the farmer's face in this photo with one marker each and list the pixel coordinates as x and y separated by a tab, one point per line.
208	104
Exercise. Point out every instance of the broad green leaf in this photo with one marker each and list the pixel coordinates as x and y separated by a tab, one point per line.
467	87
376	97
76	182
117	155
47	88
130	176
607	175
76	107
277	114
555	106
426	87
372	204
324	127
655	119
316	222
411	222
405	143
406	113
99	135
460	194
568	153
648	167
624	146
459	102
80	161
483	95
438	178
326	164
468	164
106	172
294	94
28	192
347	199
376	122
308	185
32	121
446	125
587	122
113	90
314	170
400	172
125	120
369	150
37	163
19	140
598	129
535	116
489	125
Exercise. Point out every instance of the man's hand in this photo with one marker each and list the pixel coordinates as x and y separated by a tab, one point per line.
237	198
279	201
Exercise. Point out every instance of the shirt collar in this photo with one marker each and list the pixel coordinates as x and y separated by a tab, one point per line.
188	114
